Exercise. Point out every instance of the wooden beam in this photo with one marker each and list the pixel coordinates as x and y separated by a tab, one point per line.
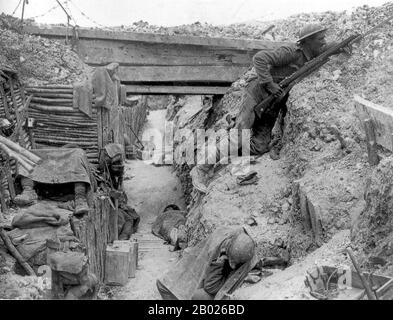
181	74
369	128
103	52
141	89
3	204
381	117
61	32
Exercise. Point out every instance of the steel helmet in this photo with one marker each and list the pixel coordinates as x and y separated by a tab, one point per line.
309	30
241	250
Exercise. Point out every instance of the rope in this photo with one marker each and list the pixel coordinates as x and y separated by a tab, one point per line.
66	2
20	1
69	17
45	13
86	16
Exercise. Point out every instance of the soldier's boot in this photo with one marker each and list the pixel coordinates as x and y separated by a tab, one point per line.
28	196
126	231
81	206
277	133
274	152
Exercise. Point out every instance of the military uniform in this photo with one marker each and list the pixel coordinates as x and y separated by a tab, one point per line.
270	66
202	268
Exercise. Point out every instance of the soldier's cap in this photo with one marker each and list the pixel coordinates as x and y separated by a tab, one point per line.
310	30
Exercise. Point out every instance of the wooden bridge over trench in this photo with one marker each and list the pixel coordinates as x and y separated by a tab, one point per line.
162	64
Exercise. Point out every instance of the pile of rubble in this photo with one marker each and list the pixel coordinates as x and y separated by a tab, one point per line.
373	231
38	60
339	22
331	165
324	158
323	163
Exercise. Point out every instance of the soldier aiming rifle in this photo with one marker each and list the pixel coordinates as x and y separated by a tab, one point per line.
263	103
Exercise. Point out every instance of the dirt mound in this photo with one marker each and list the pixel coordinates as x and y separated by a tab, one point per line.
289	283
324	145
17	287
379	80
285	29
38	60
229	204
324	150
373	231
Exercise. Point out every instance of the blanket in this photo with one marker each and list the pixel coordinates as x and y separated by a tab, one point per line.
61	165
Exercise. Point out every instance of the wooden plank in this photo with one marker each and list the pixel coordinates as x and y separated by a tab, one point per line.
381	117
3	205
61	32
123	95
378	280
145	89
373	157
105	127
99	129
181	74
5	104
103	52
386	291
314	211
92	231
10	180
16	108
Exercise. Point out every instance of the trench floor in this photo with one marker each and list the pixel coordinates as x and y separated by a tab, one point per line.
149	189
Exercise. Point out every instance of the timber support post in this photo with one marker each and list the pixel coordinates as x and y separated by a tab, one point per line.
373	157
4	207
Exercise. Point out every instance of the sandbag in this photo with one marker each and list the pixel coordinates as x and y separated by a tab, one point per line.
70	262
42	214
31	243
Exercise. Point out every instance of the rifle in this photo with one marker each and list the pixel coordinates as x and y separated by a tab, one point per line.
289	82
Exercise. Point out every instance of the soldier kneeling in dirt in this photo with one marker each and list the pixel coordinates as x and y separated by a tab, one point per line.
170	226
203	271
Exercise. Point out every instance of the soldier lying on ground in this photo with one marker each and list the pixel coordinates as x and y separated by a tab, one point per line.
271	67
170	226
205	268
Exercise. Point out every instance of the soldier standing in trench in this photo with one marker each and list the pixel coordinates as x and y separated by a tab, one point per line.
271	67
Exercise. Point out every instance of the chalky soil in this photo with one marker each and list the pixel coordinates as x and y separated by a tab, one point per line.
150	189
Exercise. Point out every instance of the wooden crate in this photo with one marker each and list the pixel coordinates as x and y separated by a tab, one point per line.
132	246
117	265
